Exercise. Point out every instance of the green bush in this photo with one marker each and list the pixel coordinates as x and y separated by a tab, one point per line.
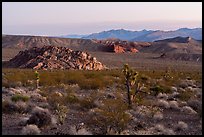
156	90
18	97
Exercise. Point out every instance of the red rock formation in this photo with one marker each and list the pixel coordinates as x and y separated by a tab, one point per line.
51	57
134	50
118	49
121	46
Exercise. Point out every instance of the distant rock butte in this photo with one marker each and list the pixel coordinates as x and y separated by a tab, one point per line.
52	57
121	46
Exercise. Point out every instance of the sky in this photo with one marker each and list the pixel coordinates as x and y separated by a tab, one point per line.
63	18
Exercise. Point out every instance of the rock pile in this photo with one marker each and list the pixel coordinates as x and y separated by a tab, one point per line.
52	57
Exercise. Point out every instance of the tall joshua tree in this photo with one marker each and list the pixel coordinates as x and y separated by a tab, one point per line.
130	79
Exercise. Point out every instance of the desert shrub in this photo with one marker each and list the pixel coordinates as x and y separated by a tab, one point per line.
185	96
74	131
87	103
111	114
71	99
40	117
196	105
21	107
54	99
30	130
11	107
18	97
156	90
61	111
8	107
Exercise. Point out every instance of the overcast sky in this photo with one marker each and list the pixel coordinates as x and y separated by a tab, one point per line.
62	18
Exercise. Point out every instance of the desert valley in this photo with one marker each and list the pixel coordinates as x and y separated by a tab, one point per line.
71	99
117	81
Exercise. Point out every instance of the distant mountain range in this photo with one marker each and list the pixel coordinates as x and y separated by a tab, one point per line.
119	34
143	35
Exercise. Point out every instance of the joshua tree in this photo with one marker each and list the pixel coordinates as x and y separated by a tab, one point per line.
37	78
130	79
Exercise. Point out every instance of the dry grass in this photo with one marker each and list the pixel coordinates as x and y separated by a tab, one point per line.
85	79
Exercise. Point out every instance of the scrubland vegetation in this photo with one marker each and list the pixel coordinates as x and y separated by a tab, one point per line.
96	101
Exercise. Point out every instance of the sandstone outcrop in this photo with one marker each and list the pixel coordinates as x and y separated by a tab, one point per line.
52	57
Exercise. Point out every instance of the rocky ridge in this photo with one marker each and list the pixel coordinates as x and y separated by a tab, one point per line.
52	57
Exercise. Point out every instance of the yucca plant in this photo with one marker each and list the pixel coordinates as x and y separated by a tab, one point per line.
130	79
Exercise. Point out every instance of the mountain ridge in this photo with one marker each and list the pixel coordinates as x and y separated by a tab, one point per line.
146	35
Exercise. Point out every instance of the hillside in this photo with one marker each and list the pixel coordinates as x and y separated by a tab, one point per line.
179	48
175	45
184	46
26	42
